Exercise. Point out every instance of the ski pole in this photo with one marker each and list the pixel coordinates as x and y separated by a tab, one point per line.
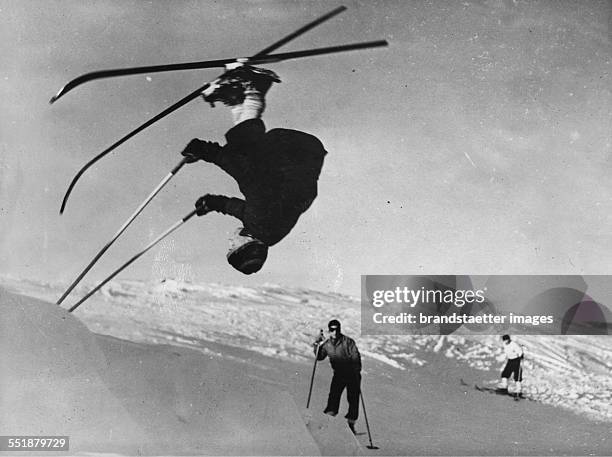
123	228
365	415
520	378
314	367
129	262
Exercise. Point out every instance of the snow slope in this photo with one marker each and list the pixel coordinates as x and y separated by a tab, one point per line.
111	395
572	372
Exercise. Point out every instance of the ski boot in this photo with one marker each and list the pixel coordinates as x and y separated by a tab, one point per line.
351	425
240	79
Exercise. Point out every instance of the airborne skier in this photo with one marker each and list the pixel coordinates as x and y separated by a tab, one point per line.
276	170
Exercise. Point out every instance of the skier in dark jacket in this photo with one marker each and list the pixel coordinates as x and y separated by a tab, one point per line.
276	170
345	361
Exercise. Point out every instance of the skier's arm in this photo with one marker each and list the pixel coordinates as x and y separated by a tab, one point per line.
518	350
319	350
354	355
233	158
236	157
222	204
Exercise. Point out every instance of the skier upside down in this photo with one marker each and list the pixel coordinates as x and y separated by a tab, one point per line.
276	170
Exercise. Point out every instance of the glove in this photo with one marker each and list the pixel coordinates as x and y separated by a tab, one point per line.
208	203
199	150
319	339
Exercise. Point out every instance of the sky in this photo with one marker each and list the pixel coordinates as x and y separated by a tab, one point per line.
478	142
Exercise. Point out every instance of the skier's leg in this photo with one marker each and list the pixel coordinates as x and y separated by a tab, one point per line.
505	375
335	392
517	376
251	108
352	395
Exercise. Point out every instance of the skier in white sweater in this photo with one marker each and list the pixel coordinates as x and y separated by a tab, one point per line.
514	356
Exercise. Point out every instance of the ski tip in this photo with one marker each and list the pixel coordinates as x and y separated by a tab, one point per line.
56	97
67	195
335	11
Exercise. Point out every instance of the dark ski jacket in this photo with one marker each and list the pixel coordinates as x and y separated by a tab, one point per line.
343	355
277	172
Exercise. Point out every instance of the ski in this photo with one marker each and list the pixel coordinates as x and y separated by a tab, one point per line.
220	63
517	396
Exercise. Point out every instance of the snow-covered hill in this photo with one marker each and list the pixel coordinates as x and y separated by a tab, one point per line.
567	371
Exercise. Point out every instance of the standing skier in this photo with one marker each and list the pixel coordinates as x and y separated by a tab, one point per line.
345	361
277	171
514	355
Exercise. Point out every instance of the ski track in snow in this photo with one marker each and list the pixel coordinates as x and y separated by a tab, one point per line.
568	371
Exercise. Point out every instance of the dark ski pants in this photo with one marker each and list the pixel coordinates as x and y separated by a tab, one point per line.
352	382
513	366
